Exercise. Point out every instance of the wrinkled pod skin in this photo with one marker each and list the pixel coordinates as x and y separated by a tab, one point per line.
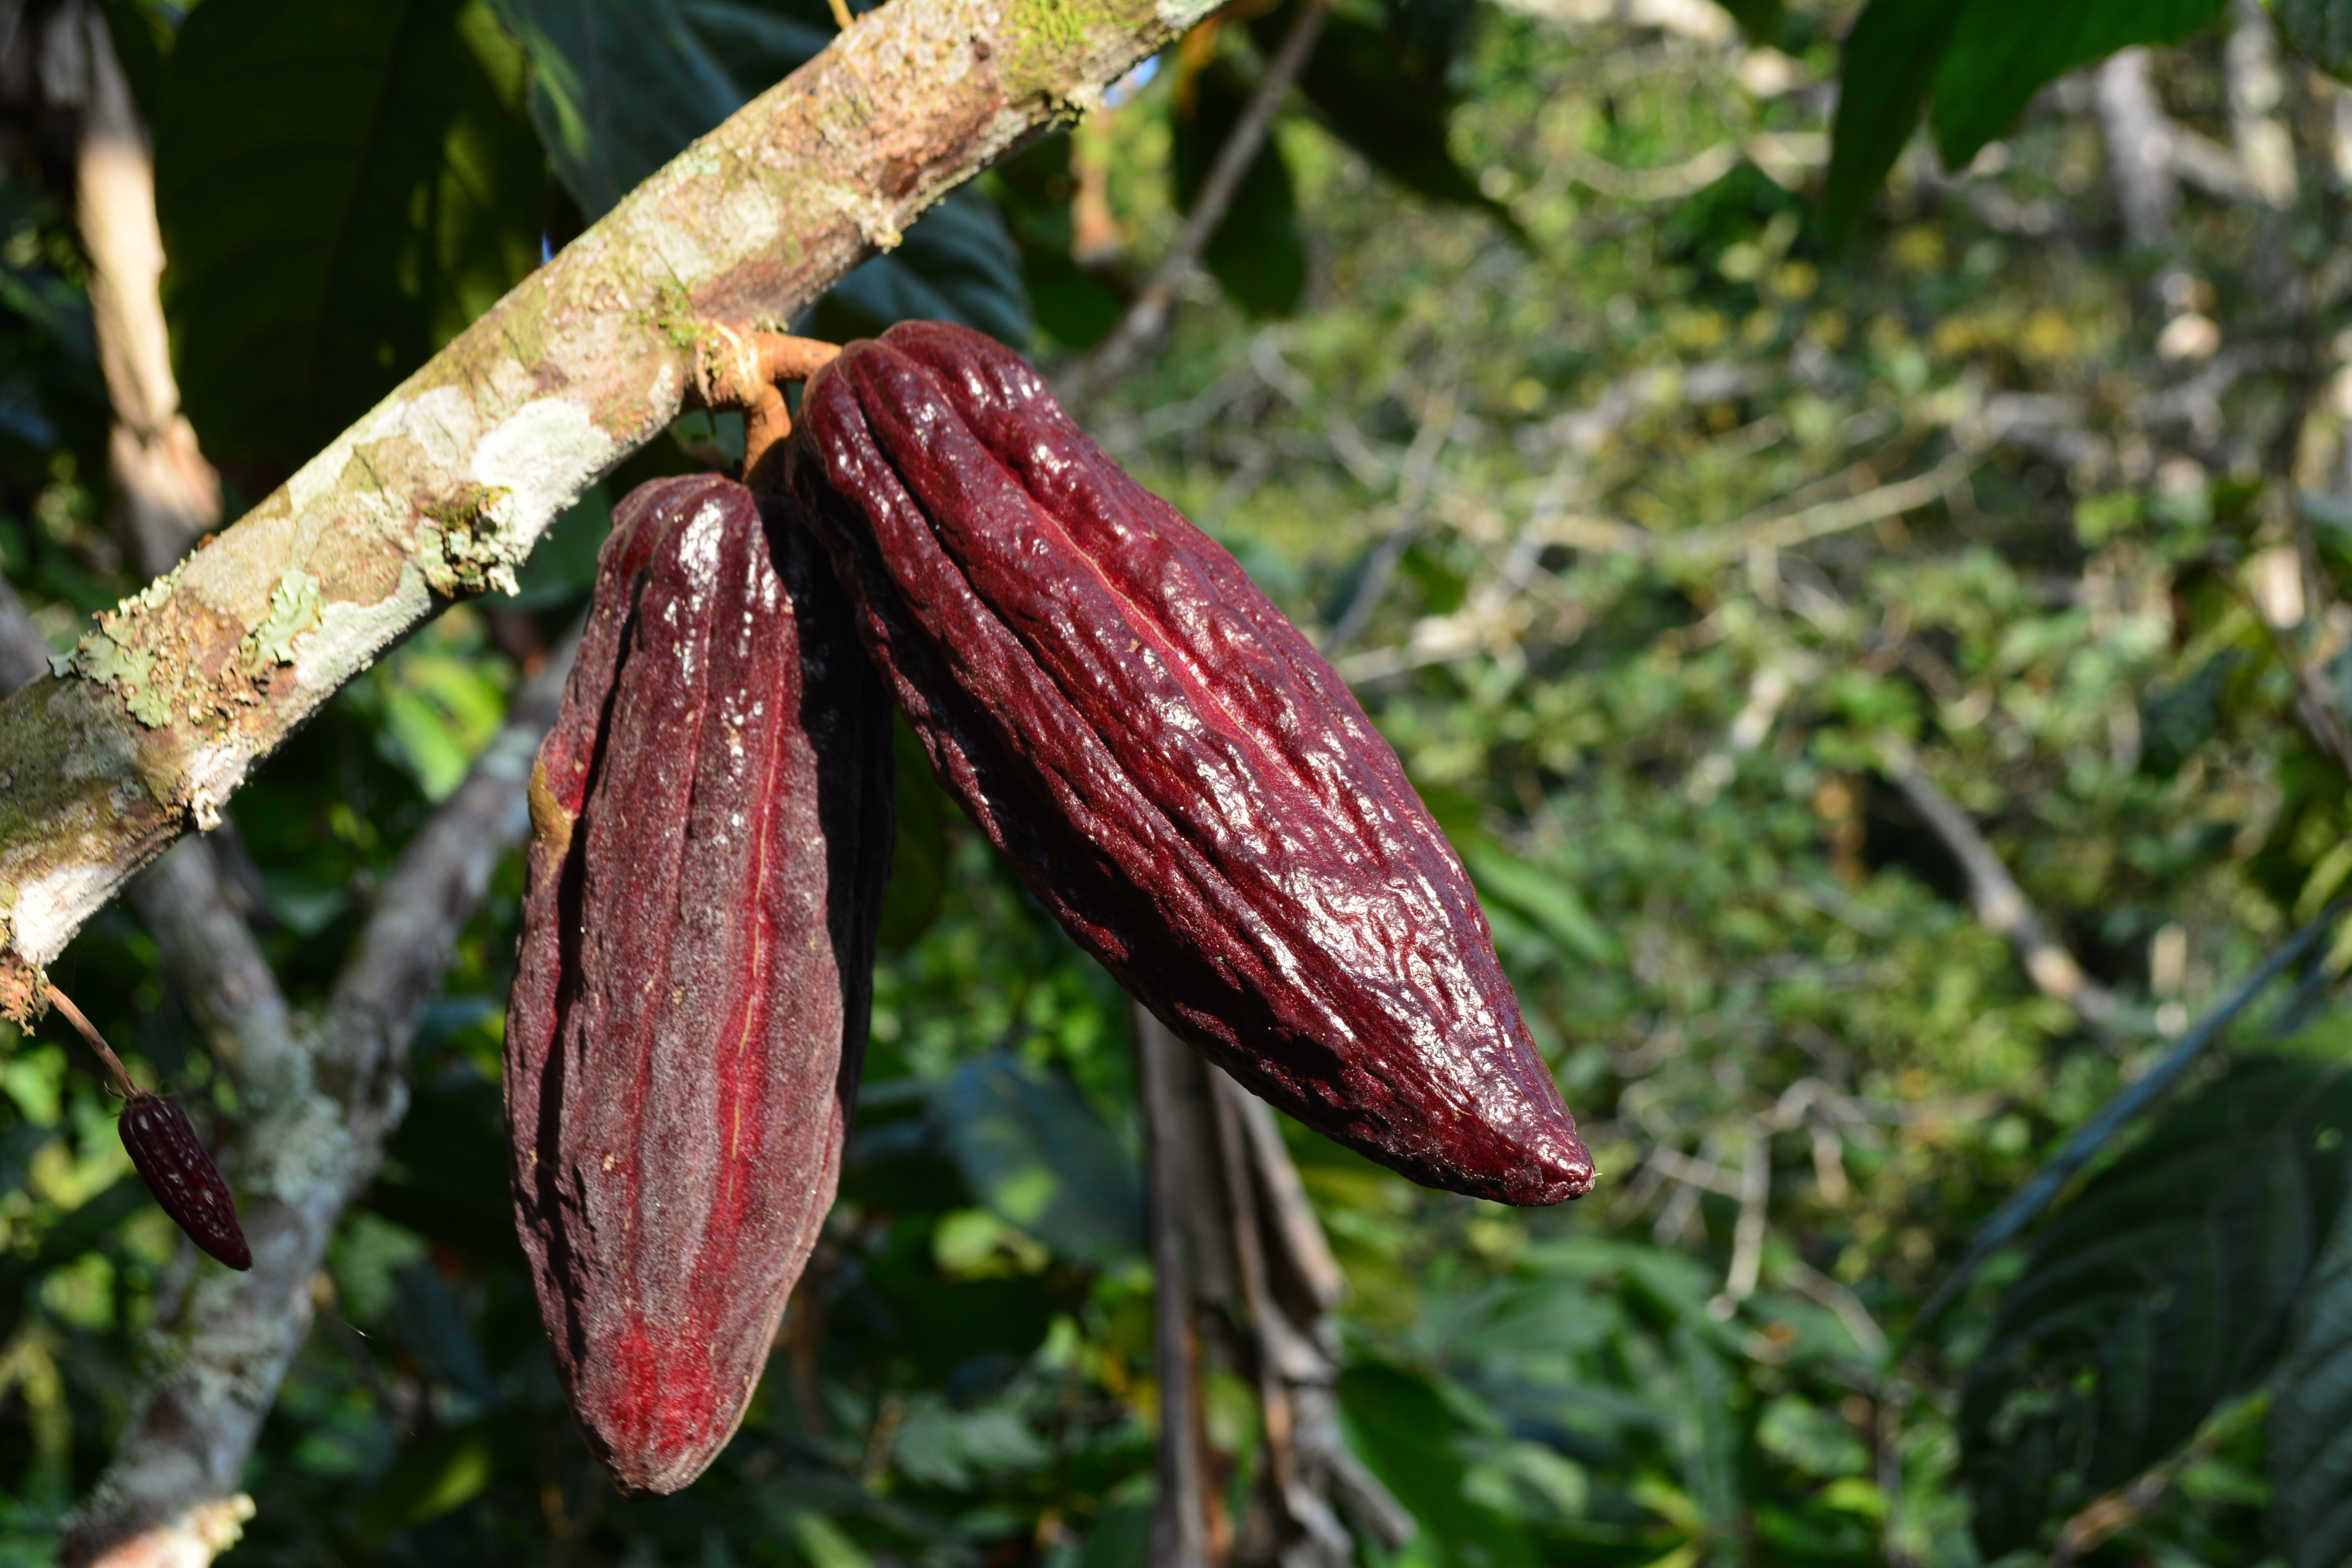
171	1159
712	818
1170	766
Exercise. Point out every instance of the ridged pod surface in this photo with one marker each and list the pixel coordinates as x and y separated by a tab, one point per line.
1171	766
187	1186
712	828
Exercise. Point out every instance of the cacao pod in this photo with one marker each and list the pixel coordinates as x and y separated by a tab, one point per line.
1171	766
711	830
187	1186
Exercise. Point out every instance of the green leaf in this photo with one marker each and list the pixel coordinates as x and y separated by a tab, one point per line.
142	38
341	186
958	264
1888	60
1034	189
1544	897
446	1177
1403	1428
1758	19
2005	50
433	1475
1257	253
2310	1442
2321	31
1043	1160
2164	1287
1362	85
617	87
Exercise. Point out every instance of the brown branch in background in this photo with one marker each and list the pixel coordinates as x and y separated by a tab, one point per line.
1228	1205
1179	1534
2139	137
1147	318
165	494
317	1106
2002	904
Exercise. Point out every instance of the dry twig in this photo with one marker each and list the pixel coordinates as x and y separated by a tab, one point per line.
1147	318
2002	904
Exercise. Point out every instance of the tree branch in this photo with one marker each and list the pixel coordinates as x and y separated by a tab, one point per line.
169	701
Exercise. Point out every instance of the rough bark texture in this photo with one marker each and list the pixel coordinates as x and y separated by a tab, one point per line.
711	827
166	704
1171	766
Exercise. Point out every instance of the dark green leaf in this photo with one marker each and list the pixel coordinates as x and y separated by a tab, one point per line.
1257	253
2322	30
2027	1204
1428	36
1888	60
143	40
446	1175
437	1472
2310	1445
1760	19
1043	1160
433	1326
1368	95
2161	1290
2005	50
1405	1431
958	264
341	185
618	87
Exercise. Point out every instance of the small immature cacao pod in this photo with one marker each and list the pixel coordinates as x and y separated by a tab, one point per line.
186	1183
1171	766
711	829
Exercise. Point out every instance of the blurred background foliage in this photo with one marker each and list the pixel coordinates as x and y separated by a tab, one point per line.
1688	499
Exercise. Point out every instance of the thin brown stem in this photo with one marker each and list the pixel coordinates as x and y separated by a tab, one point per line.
122	1085
749	371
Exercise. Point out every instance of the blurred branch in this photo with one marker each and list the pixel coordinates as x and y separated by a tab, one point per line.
2140	141
165	494
2002	904
24	651
1236	1245
1147	318
1180	1532
318	1104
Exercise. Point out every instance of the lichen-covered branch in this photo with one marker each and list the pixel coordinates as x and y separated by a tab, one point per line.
317	1103
168	702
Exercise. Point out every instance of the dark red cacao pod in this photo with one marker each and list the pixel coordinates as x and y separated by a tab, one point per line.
1171	766
711	829
186	1183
